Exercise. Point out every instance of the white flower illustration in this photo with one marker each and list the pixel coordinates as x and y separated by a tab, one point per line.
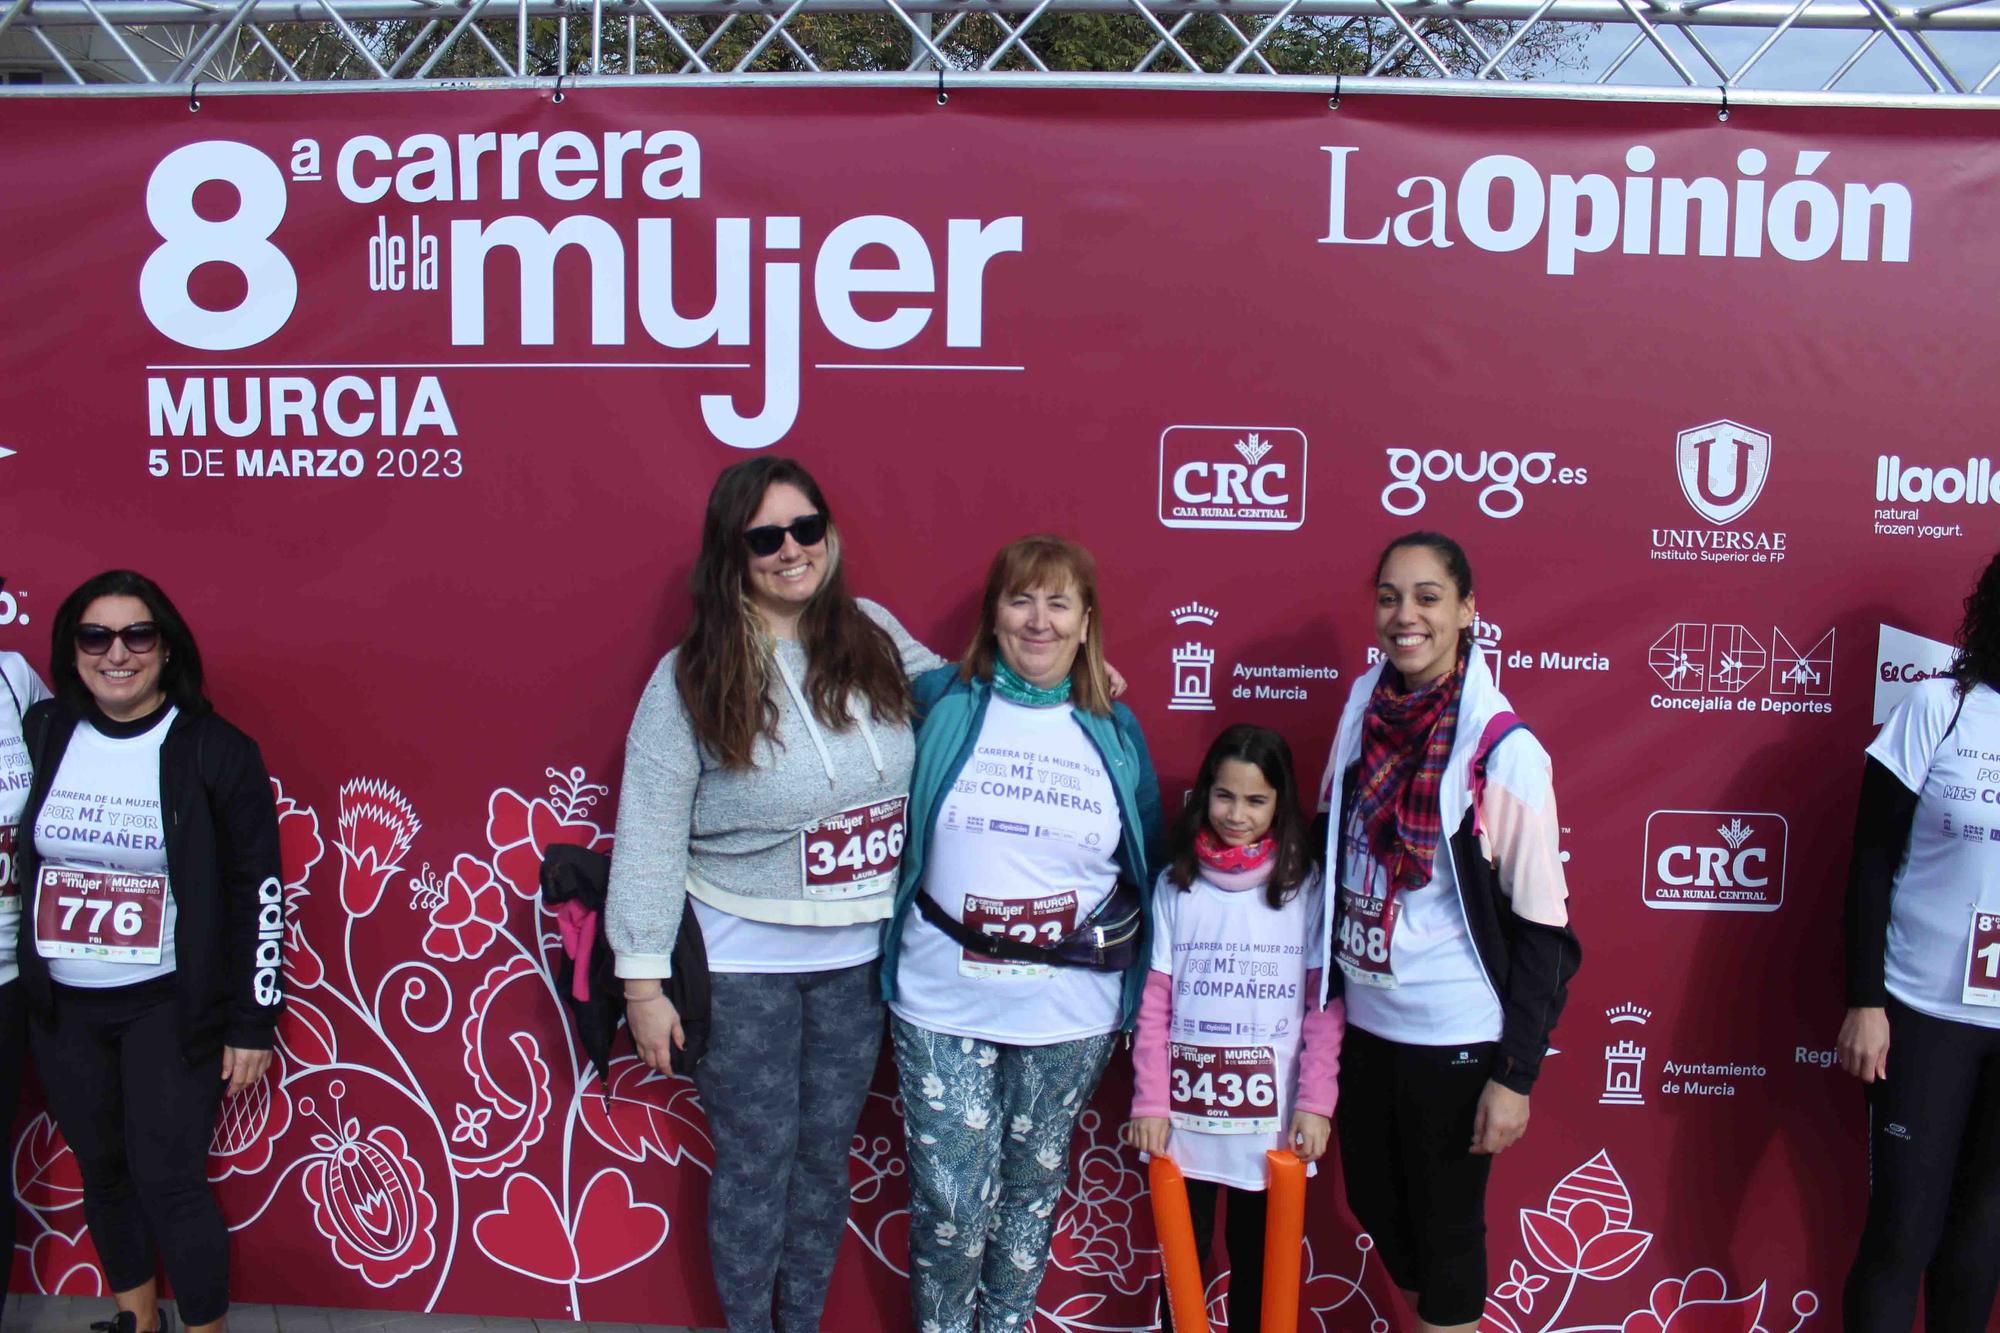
947	1232
1048	1158
976	1117
987	1056
1020	1126
933	1088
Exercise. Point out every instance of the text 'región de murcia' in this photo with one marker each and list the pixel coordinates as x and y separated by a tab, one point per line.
630	261
1502	203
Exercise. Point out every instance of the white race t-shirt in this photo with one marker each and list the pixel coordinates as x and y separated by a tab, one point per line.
1239	1002
1442	995
103	813
19	687
1025	841
1952	866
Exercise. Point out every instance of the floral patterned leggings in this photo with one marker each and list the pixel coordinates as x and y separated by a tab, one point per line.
989	1128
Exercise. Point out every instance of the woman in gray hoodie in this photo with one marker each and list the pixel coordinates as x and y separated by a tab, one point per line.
766	775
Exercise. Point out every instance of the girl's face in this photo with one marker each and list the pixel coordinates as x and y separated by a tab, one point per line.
1418	614
1241	804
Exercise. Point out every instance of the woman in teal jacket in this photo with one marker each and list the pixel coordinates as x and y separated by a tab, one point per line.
1016	951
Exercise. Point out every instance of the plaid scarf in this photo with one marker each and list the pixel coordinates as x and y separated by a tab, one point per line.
1405	744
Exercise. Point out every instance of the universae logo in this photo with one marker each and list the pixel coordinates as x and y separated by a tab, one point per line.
1722	467
1232	477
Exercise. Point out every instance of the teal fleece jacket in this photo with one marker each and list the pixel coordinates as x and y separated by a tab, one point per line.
950	713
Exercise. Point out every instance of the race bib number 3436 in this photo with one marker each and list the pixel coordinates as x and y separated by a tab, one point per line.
107	915
1224	1089
855	853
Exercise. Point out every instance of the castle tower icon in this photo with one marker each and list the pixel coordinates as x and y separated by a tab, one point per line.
1193	664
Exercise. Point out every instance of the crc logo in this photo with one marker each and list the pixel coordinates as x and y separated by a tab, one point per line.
1232	477
1503	471
1714	861
1722	467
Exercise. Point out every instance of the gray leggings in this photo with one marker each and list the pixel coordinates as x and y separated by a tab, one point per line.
790	1057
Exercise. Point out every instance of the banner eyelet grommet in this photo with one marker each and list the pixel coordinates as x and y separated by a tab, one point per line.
194	99
557	99
1723	114
942	96
1333	102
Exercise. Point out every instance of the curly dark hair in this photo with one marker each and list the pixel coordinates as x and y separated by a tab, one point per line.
1979	633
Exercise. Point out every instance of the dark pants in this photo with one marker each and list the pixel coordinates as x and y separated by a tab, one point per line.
138	1118
1405	1124
1243	1236
1934	1181
790	1057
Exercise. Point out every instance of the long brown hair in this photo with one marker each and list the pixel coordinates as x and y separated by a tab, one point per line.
723	670
1054	563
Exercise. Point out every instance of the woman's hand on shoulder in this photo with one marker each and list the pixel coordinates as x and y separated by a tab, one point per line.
1501	1119
1863	1046
242	1067
1148	1133
1114	680
656	1027
1310	1135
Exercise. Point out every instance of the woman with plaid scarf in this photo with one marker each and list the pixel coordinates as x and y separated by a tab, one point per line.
1449	932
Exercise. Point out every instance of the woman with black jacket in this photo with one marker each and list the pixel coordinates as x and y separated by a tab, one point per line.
151	940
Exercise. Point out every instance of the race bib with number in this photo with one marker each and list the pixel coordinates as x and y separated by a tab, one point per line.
1042	922
10	891
1224	1089
1982	964
855	853
111	916
1367	926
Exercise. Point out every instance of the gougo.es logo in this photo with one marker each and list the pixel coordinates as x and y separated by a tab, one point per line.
1503	472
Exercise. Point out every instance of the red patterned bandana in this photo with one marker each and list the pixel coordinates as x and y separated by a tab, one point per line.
1405	744
1216	854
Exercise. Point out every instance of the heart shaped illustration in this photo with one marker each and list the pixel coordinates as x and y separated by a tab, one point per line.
66	1265
526	1232
612	1231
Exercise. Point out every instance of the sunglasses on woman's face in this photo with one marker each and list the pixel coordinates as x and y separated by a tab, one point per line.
806	530
140	637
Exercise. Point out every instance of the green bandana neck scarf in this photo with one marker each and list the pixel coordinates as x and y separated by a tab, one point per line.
1009	685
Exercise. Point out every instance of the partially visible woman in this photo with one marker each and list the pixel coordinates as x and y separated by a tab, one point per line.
150	844
1923	990
765	778
1034	831
23	689
1448	930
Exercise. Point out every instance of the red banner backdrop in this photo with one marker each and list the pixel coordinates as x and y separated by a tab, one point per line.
412	403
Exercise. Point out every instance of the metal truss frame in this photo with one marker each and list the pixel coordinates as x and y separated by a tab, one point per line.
1693	50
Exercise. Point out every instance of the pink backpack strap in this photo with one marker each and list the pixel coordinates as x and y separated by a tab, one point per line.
1497	729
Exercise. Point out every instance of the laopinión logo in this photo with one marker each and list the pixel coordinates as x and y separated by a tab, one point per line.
1903	659
1900	490
1713	667
1193	664
1232	477
1714	860
1502	471
1722	468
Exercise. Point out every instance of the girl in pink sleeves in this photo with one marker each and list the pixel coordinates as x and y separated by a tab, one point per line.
1234	1055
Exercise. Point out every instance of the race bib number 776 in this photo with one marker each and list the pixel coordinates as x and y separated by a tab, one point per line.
107	915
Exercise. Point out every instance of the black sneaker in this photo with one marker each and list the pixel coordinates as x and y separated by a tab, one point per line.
127	1322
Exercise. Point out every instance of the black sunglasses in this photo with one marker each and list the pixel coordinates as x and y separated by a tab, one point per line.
806	530
141	636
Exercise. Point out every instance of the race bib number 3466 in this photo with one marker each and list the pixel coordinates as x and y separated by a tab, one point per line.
1224	1089
107	915
10	891
855	853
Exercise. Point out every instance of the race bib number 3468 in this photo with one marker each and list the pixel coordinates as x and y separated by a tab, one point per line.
1224	1089
106	915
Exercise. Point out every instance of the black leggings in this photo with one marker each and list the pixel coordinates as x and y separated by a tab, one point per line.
1243	1234
138	1118
13	1058
1934	1181
1405	1119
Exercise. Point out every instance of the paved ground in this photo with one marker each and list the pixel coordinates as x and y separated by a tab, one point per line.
75	1314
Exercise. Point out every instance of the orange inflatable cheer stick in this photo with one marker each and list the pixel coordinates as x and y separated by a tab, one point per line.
1284	1237
1174	1226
